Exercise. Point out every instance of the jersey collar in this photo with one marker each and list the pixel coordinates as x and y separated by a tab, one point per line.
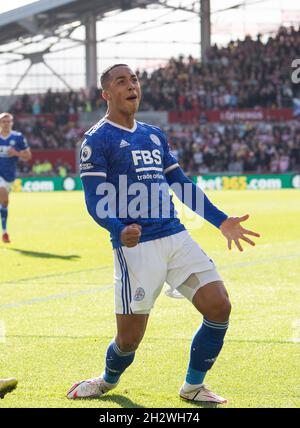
133	129
5	138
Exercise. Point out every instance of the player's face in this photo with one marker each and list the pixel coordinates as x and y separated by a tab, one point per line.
124	92
6	124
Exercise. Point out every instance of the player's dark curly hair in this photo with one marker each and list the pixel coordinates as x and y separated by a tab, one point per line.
105	77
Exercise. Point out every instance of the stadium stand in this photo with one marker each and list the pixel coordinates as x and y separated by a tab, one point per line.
261	147
245	74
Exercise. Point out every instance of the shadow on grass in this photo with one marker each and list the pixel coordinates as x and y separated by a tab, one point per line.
200	404
203	405
44	255
122	401
126	403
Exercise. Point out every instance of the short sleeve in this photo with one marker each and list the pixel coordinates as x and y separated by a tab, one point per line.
169	160
22	143
93	157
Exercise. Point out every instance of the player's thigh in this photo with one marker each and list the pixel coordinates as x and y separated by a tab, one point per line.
189	258
130	330
139	276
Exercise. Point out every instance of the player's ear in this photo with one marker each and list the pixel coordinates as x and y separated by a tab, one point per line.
106	95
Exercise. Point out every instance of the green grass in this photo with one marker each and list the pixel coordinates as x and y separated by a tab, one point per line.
57	306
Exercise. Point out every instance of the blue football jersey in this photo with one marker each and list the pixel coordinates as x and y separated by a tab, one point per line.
8	165
127	158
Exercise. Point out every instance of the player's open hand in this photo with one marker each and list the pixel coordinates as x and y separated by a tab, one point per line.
233	231
131	234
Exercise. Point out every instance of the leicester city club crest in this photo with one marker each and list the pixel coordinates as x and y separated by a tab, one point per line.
139	294
155	139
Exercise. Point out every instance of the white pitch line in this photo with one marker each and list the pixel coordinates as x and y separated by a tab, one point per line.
296	331
2	331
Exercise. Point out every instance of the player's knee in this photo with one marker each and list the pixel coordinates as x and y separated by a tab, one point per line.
128	343
219	310
3	197
4	202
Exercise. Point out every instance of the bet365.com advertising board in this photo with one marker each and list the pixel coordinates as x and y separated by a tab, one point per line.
248	182
44	184
206	182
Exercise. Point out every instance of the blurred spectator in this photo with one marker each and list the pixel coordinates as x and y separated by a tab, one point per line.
43	133
243	74
260	147
63	103
42	169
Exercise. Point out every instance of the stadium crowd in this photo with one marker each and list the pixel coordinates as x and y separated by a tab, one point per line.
262	147
243	74
246	73
63	103
57	132
45	169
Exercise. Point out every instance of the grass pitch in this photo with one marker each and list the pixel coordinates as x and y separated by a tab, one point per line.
57	309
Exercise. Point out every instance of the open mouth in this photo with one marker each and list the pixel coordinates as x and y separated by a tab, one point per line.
132	98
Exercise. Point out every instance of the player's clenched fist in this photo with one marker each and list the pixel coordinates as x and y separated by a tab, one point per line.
130	236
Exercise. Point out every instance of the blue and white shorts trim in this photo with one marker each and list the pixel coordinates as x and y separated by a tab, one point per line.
121	272
142	271
5	184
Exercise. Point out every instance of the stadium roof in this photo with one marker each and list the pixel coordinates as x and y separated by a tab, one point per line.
44	16
44	20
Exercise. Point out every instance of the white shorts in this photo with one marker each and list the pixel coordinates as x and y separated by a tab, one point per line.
141	271
5	184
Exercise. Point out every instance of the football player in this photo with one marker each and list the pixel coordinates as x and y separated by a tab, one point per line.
13	146
123	165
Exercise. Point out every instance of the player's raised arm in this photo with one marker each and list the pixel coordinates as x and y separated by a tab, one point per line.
193	197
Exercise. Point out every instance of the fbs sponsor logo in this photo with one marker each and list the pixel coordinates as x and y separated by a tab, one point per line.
146	157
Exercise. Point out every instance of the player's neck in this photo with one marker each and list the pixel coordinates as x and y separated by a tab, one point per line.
127	121
5	134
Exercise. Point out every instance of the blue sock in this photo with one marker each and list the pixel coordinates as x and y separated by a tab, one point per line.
116	362
206	346
4	214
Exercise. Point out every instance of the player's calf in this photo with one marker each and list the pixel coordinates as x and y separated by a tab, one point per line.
213	302
4	213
